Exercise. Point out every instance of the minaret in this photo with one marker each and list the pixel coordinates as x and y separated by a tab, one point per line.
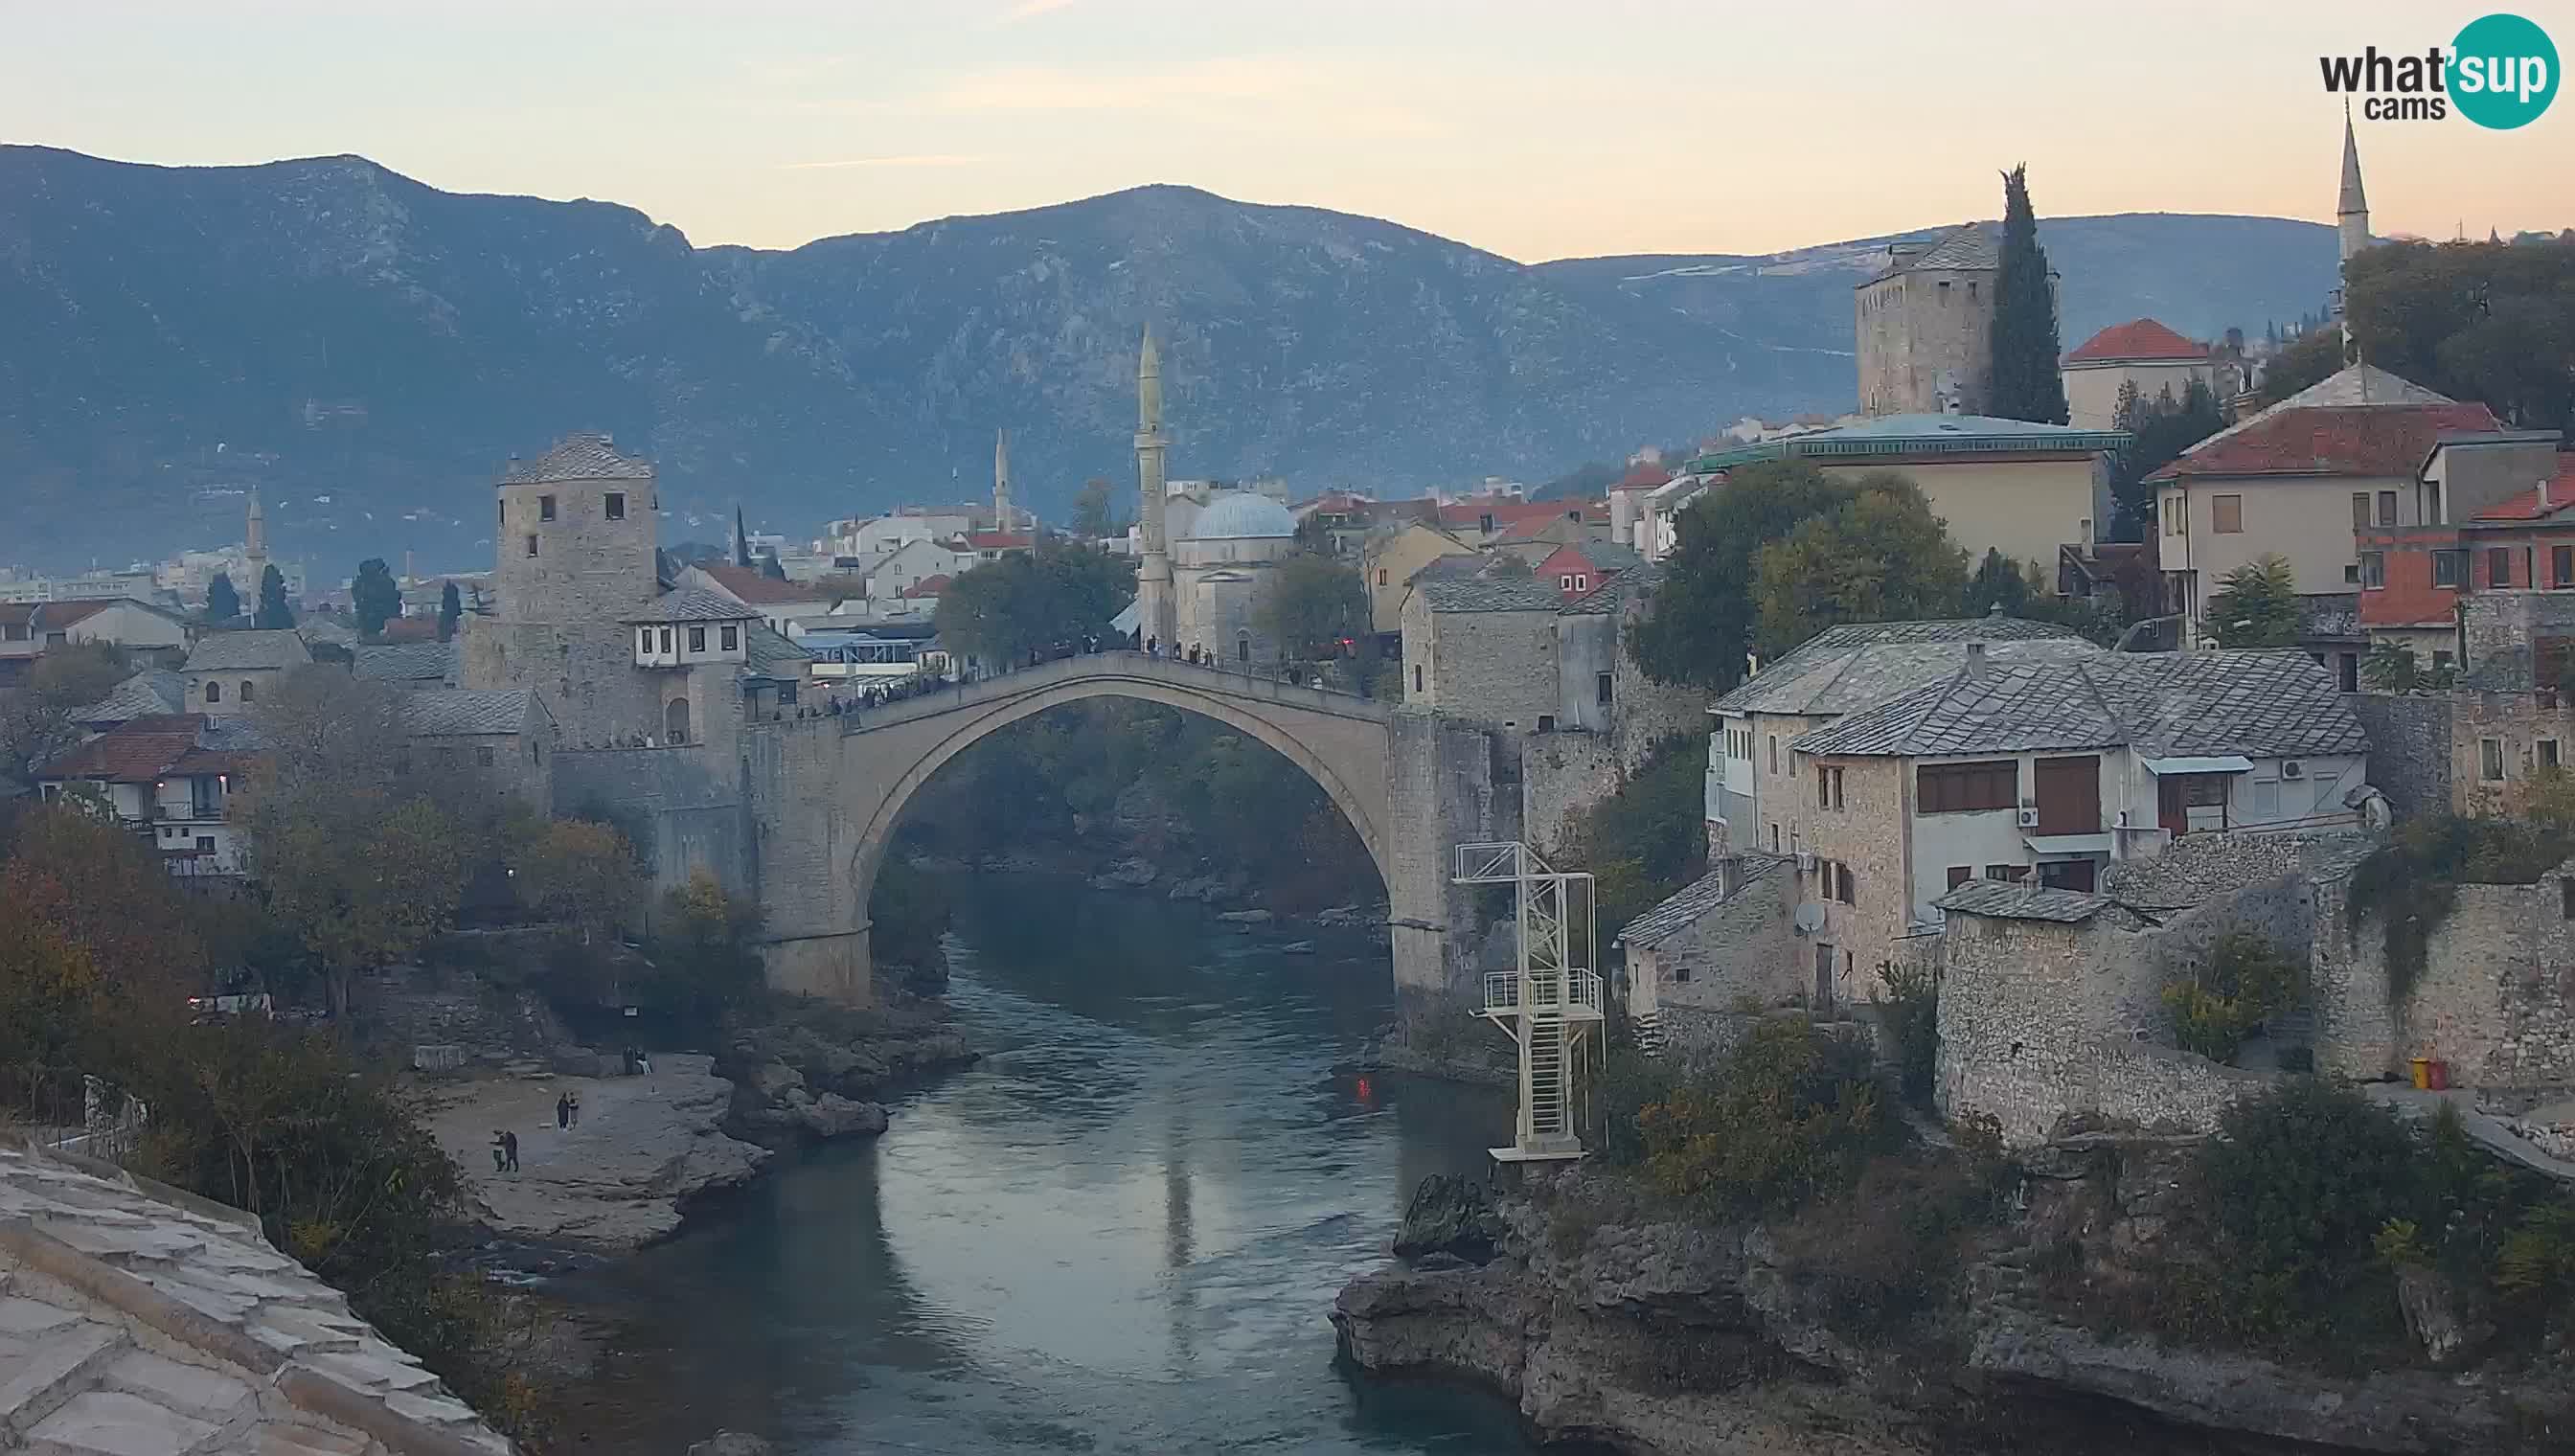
1154	618
2351	231
255	547
1001	480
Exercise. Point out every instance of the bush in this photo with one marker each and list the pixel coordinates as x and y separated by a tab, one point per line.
2411	881
1630	1084
1791	1115
2245	983
1910	1013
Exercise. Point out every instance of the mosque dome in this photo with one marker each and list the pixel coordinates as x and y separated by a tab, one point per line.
1242	516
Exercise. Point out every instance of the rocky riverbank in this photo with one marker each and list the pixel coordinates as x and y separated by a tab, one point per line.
1611	1322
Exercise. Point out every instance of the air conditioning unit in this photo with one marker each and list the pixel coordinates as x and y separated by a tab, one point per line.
2029	818
1805	861
2292	768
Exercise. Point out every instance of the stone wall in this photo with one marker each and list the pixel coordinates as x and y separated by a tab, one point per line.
1453	784
2409	747
409	1006
2495	1000
681	807
1494	667
2516	724
1647	712
1740	953
1561	776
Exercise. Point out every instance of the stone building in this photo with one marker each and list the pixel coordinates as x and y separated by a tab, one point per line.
1484	648
1926	323
1221	550
483	745
227	671
2497	515
170	778
1389	560
1705	963
2142	353
2025	490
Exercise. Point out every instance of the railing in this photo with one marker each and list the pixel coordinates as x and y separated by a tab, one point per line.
1577	993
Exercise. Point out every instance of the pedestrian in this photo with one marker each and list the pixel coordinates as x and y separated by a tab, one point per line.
499	1162
576	1108
563	1110
644	1059
510	1146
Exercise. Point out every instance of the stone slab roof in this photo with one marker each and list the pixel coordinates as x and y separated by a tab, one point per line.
746	584
695	604
1701	895
467	712
150	692
142	1321
2199	867
774	657
1970	245
1634	584
235	652
2254	703
1487	594
410	661
2022	903
1848	667
577	457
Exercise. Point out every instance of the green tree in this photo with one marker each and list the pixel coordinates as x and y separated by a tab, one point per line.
2161	429
2491	322
2256	605
1058	592
1314	604
1701	628
377	596
451	610
584	875
1881	556
35	715
274	614
2392	668
1094	511
2026	385
702	953
223	604
1998	586
2309	359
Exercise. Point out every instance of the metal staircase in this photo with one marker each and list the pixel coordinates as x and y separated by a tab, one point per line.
1551	1004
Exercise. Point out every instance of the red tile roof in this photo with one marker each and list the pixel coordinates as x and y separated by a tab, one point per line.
2136	339
136	751
2358	440
1643	475
2526	506
750	587
928	585
998	539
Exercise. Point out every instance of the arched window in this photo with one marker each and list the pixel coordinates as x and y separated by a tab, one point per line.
248	689
675	721
1242	646
214	691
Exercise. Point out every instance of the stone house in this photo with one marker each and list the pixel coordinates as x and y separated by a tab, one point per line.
1388	562
225	671
912	563
1925	324
2049	772
483	744
2141	352
170	778
1718	953
1578	568
410	666
1484	648
2300	480
2473	540
2011	486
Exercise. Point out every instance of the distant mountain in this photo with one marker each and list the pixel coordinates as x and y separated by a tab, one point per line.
369	351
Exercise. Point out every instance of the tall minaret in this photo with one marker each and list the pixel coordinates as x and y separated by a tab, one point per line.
1001	480
2351	231
255	547
1155	617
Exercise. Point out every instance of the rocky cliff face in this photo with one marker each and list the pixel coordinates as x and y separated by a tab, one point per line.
370	351
1689	1339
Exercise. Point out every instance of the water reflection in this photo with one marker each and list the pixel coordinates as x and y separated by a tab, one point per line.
1121	1233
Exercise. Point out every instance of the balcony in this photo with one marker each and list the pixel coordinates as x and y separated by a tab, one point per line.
1576	996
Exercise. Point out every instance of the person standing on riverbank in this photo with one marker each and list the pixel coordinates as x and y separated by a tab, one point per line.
510	1152
563	1110
573	1101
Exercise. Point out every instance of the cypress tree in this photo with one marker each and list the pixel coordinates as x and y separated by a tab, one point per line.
272	614
451	609
2026	385
223	604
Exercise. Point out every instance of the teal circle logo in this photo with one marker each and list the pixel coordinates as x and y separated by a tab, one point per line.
2503	72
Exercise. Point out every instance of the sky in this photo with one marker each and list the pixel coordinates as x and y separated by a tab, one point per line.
1533	128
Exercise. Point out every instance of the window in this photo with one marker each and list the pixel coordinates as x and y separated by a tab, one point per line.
536	752
2387	507
505	512
666	640
2441	659
1848	888
1775	752
204	844
248	689
2360	510
214	691
1546	723
2448	567
2351	574
1581	583
2561	566
2544	752
2490	760
1966	788
2173	515
1774	837
2499	566
1944	292
2267	798
732	637
1971	290
1416	676
1960	874
532	543
2226	515
1380	575
2006	874
2373	569
447	757
485	755
644	640
1603	685
616	505
1823	786
697	638
545	508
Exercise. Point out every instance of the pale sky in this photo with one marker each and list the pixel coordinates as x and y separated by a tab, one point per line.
1534	128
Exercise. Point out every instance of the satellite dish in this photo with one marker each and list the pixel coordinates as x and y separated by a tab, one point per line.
1808	919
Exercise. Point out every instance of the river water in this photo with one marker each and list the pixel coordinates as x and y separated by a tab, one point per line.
1121	1233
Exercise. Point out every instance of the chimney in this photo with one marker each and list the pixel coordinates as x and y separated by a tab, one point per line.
2543	494
1977	657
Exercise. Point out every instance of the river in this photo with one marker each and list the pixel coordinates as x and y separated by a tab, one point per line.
1120	1233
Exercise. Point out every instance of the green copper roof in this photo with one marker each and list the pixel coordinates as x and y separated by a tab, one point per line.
1919	435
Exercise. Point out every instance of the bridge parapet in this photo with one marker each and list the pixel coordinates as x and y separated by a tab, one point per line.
1115	667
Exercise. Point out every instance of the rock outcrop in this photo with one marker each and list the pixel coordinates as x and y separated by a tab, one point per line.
823	1073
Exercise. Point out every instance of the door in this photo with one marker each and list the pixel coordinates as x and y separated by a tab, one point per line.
2069	795
1823	978
2169	812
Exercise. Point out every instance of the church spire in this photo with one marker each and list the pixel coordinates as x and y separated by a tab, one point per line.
1001	480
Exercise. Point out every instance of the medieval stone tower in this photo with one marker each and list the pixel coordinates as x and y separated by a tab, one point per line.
575	555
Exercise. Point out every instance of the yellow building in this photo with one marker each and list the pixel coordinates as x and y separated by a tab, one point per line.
1390	561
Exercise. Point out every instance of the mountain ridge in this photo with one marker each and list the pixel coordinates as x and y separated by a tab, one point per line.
368	350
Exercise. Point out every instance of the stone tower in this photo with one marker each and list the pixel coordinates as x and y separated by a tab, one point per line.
575	558
1001	480
2351	212
1155	617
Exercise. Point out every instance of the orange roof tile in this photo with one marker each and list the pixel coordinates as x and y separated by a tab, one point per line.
2136	339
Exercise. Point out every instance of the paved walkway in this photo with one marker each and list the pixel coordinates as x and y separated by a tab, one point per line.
136	1320
2486	1129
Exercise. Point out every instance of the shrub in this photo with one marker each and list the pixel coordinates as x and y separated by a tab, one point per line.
1791	1115
2247	982
1630	1084
2411	882
1910	1013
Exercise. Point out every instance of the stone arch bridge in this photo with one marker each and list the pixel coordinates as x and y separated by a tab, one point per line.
825	794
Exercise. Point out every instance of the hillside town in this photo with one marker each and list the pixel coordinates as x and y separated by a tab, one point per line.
1996	801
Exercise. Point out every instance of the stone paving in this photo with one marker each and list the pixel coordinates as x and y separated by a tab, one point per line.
137	1321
